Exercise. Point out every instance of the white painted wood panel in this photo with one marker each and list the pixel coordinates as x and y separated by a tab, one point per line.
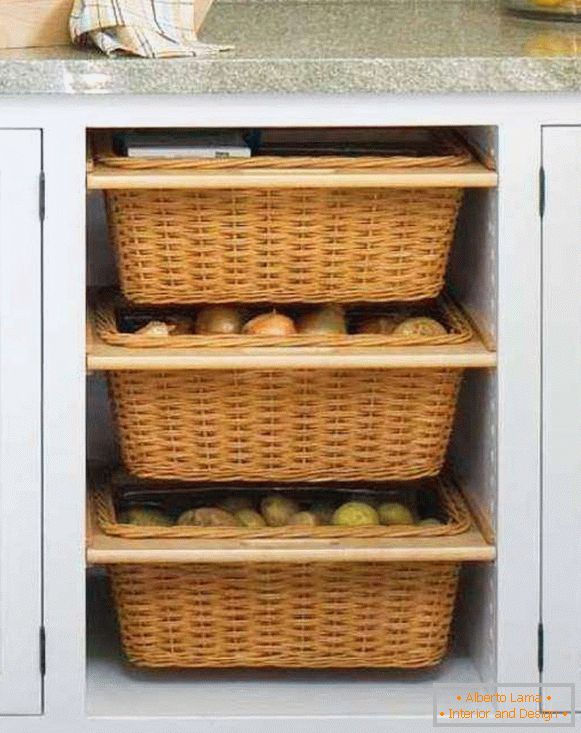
20	421
561	600
519	411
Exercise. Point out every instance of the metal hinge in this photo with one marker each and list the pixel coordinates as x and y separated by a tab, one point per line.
42	639
542	191
42	195
541	647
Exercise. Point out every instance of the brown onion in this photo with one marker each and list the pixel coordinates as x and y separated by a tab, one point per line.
384	325
218	320
328	319
270	324
420	326
180	325
155	329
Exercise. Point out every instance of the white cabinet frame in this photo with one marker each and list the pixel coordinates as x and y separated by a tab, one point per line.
20	423
561	524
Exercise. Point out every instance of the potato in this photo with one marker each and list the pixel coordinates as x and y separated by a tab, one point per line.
392	512
430	522
235	503
145	516
277	510
250	518
324	510
306	519
207	517
355	514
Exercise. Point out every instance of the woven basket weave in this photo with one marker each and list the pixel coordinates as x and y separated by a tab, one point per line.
282	245
285	615
285	245
445	311
452	509
310	425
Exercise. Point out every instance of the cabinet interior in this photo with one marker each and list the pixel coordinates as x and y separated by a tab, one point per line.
113	688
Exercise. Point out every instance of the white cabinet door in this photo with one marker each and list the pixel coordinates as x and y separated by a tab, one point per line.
561	528
20	421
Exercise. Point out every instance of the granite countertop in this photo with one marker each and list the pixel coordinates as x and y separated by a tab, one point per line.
329	46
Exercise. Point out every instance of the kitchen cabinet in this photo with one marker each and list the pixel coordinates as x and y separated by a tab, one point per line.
515	447
561	516
495	273
20	422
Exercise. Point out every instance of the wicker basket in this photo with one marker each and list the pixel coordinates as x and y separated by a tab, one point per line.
445	311
310	425
312	615
286	244
448	504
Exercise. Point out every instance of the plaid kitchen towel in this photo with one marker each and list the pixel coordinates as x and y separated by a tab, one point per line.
148	28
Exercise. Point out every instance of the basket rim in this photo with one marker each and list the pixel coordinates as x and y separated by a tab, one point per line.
451	499
450	312
450	151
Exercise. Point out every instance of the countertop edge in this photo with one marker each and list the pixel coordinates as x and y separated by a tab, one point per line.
332	76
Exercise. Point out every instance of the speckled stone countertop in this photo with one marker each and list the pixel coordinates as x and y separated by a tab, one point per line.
329	46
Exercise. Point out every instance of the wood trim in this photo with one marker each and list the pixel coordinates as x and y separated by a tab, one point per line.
471	175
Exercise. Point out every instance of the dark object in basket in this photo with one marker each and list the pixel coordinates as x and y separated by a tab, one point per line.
176	500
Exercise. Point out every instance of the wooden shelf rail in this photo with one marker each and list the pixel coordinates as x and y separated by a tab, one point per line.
472	175
105	550
103	357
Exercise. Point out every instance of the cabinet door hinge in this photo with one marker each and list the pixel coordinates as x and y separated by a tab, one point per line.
42	640
541	647
42	195
542	191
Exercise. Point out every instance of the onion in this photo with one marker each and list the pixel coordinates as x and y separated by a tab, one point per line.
420	326
378	324
329	319
180	325
215	320
270	324
155	328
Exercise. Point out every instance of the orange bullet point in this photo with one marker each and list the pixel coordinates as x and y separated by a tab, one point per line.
549	697
442	715
458	697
